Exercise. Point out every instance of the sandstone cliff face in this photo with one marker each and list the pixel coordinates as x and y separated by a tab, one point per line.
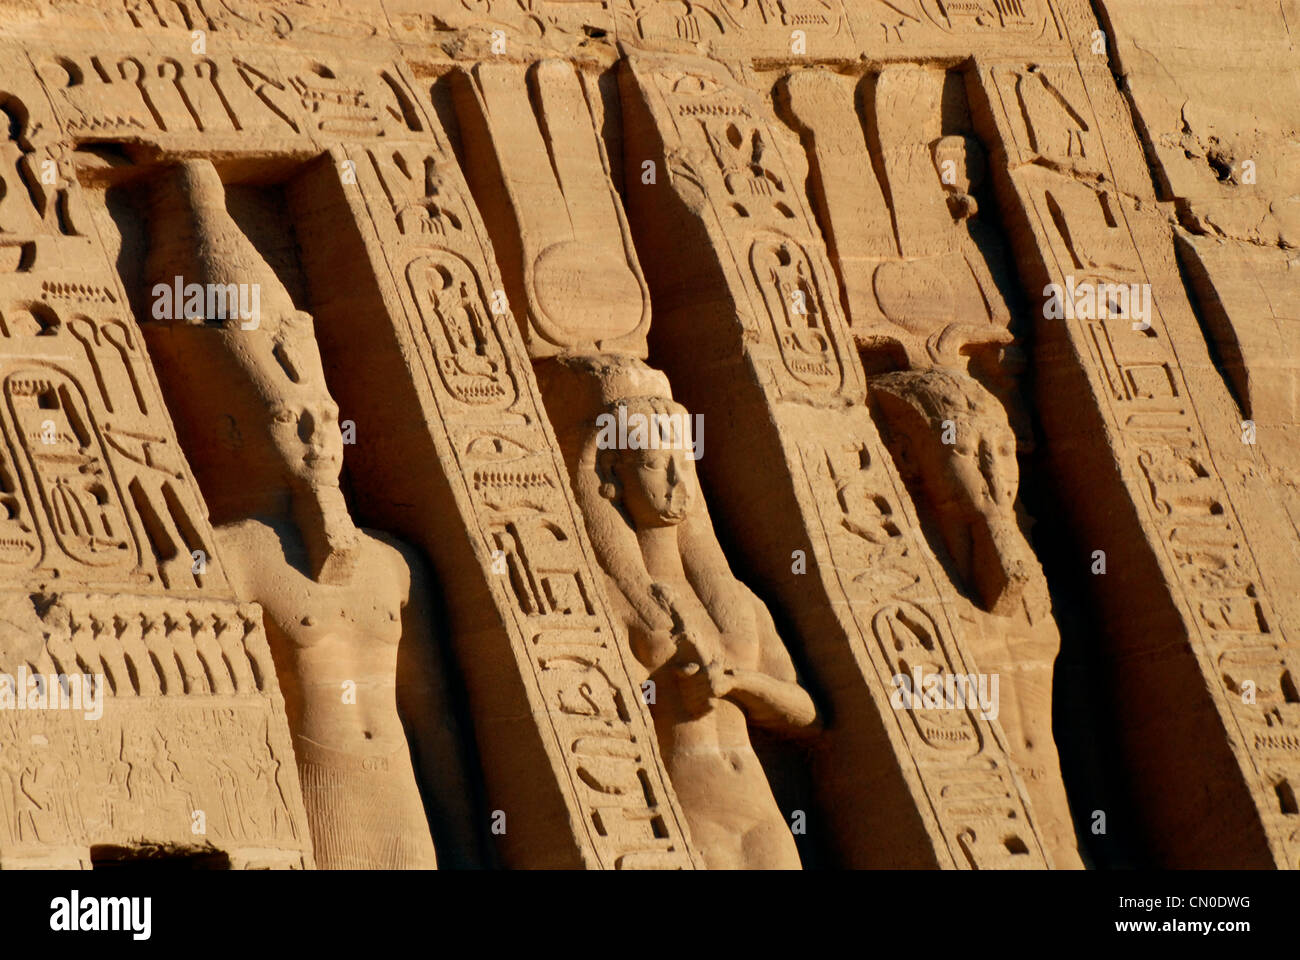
649	433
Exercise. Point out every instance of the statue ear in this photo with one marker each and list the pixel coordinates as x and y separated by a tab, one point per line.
606	461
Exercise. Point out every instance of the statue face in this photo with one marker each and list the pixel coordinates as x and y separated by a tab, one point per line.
658	486
982	465
304	424
306	435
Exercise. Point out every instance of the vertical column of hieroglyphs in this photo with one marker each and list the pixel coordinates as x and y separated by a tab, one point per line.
749	322
1225	157
1189	617
932	326
704	647
561	729
109	566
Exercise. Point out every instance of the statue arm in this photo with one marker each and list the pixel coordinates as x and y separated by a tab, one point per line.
650	640
770	695
424	706
770	702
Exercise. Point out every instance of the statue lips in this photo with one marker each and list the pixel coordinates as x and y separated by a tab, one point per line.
322	462
676	505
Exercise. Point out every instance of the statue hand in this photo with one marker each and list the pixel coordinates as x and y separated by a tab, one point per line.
722	679
698	685
693	688
701	648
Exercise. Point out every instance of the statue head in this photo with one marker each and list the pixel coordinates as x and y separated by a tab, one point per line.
246	386
610	412
651	477
954	434
302	419
951	437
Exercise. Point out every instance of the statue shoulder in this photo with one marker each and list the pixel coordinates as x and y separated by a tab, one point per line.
244	548
392	553
242	535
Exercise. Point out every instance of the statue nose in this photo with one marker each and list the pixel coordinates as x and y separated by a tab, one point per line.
311	431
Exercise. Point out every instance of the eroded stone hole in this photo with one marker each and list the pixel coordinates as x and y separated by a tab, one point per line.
1289	692
1286	798
108	856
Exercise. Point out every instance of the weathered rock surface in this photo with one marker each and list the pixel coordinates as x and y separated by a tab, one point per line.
650	434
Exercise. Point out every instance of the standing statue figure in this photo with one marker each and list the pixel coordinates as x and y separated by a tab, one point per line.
951	438
342	605
706	643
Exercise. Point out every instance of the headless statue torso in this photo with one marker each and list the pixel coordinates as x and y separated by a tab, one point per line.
338	645
333	598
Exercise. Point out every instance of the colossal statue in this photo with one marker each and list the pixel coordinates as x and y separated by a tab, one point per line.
340	603
951	438
712	659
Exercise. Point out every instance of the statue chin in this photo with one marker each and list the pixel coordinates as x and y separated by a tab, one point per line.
670	516
646	512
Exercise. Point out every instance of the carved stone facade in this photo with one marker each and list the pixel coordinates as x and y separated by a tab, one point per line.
648	434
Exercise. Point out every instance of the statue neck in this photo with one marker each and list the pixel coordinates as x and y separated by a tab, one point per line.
661	552
332	540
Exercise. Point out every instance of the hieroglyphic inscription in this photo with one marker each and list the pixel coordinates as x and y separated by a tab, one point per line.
510	480
1061	174
848	490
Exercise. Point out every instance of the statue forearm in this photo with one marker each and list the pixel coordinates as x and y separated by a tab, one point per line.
771	702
